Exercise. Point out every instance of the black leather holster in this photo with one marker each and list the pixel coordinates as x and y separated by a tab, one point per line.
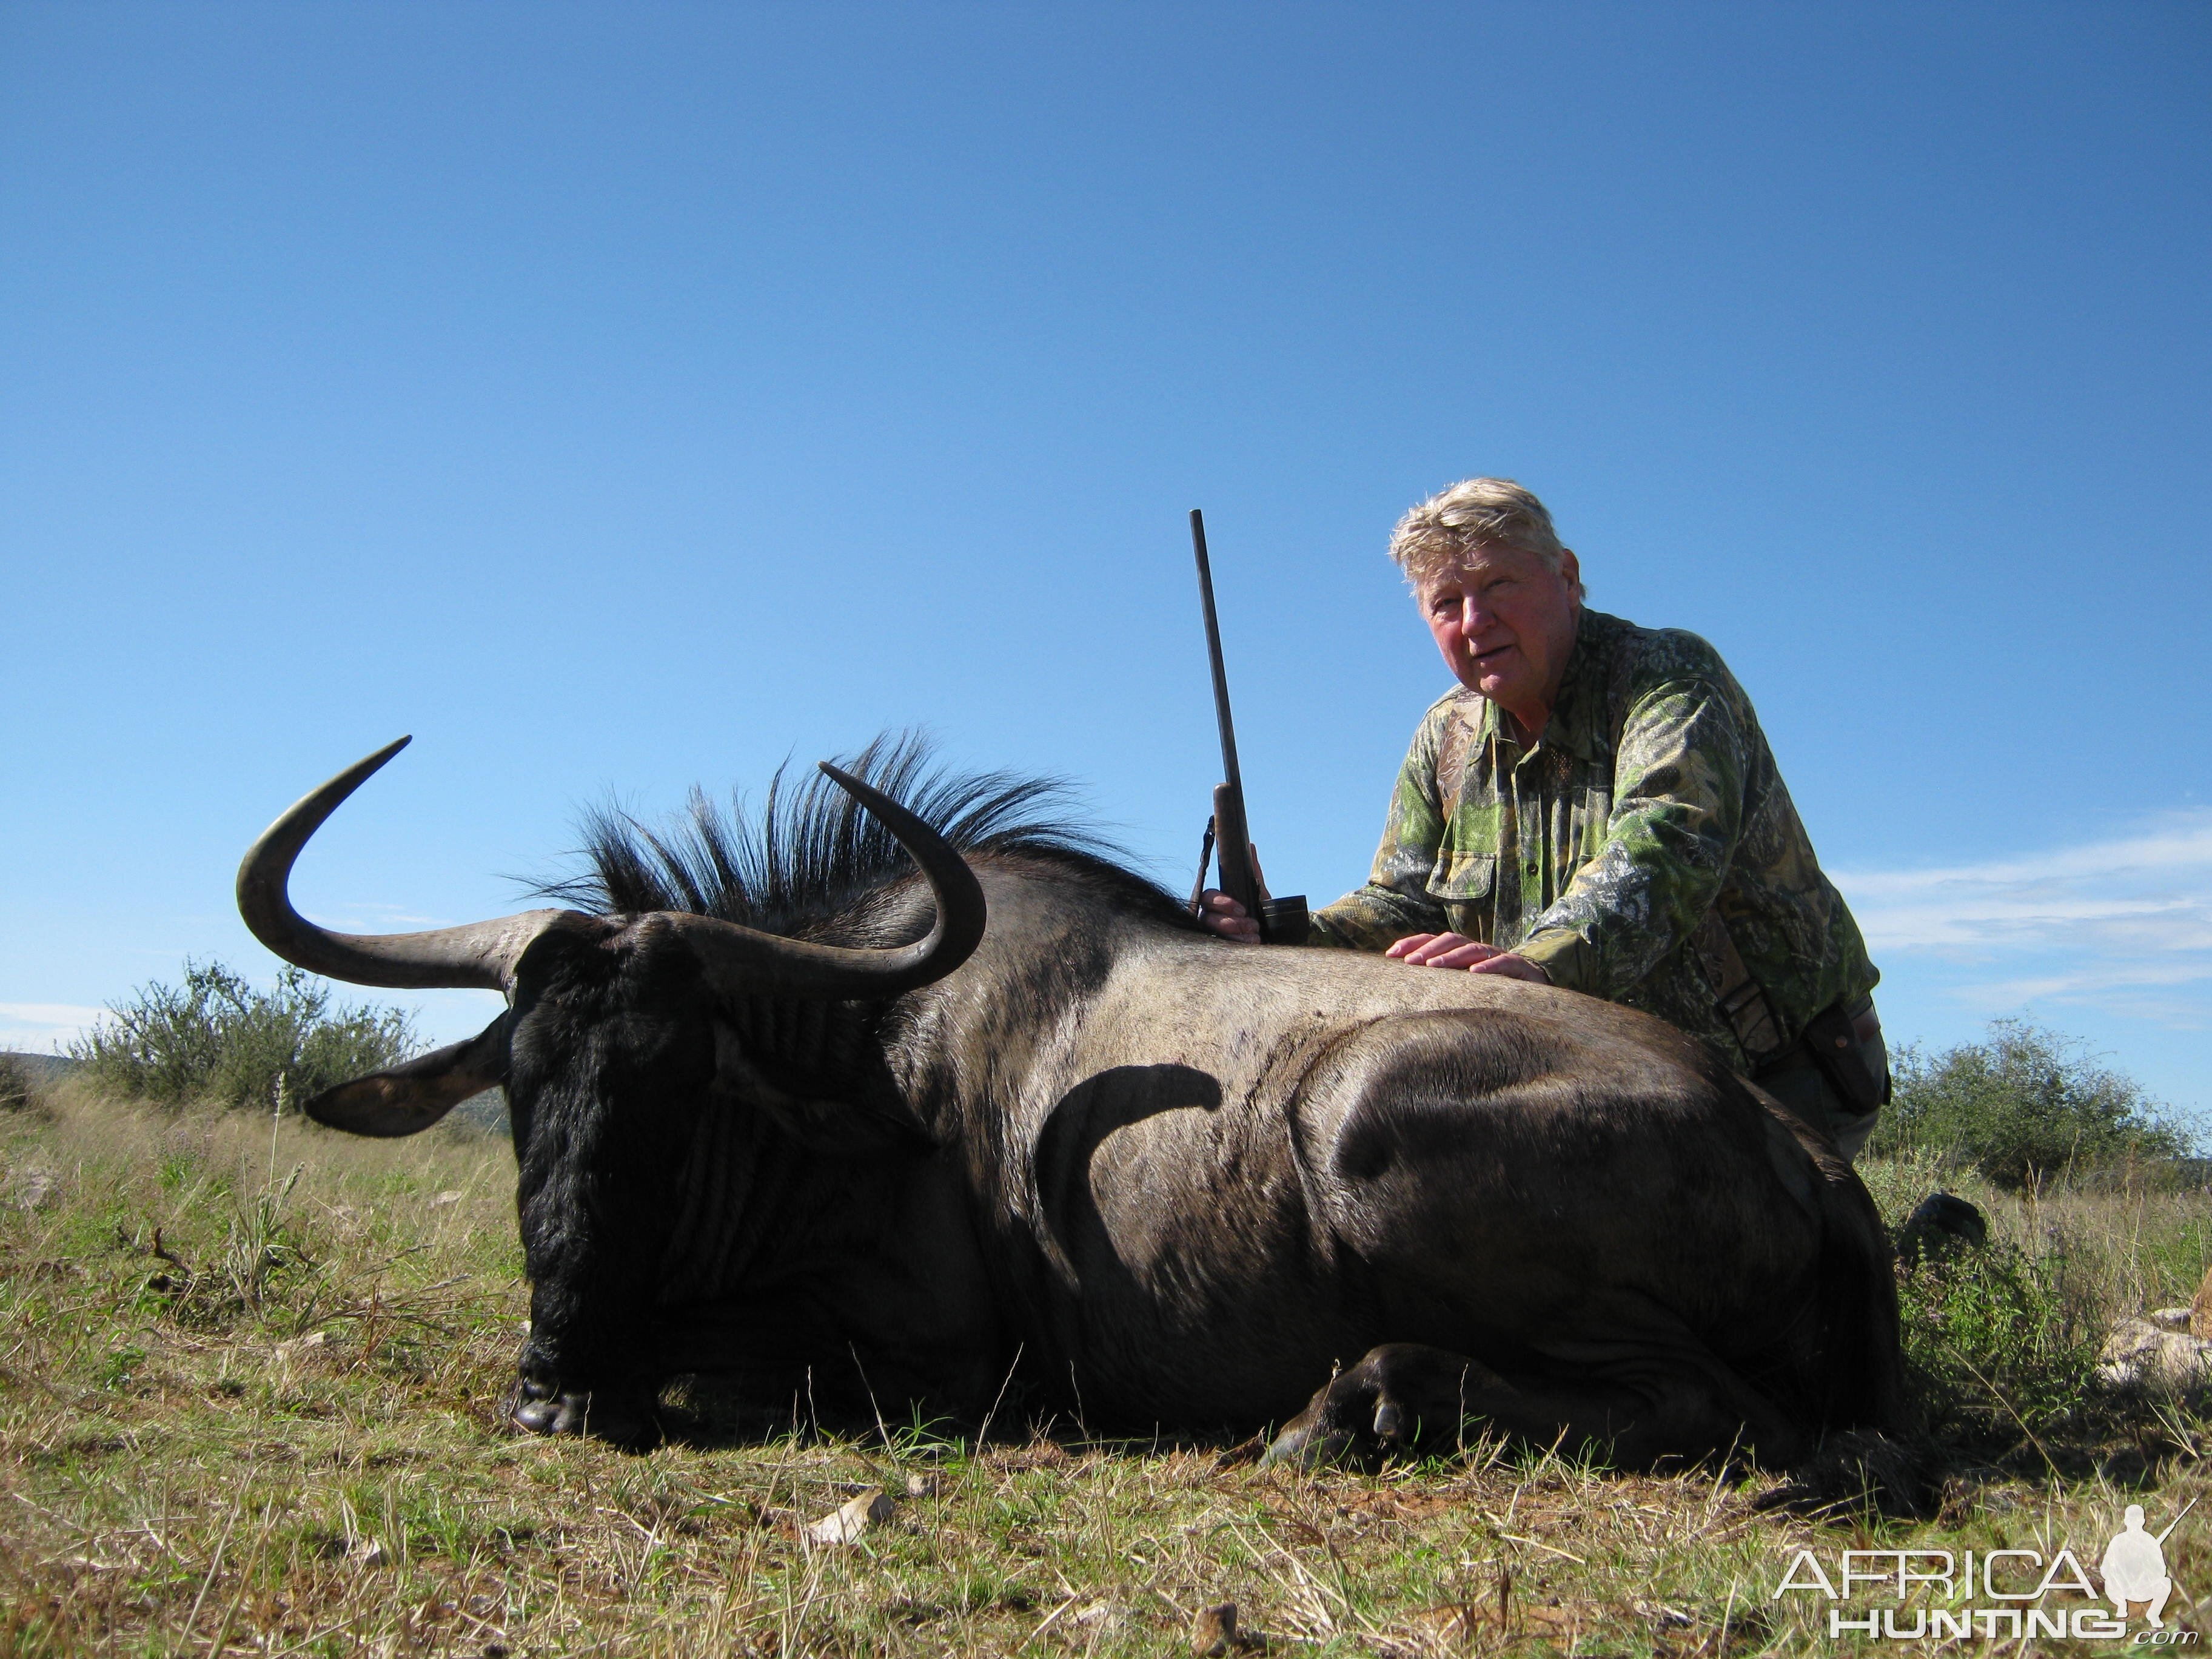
1833	1040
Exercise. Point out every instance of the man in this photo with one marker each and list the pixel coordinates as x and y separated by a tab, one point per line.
1596	807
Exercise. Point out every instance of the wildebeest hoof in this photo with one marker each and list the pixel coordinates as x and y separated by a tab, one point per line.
1400	1394
622	1418
1300	1447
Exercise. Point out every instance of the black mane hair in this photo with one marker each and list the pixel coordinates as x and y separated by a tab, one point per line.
811	849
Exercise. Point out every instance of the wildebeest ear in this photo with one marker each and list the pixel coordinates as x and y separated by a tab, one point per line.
411	1097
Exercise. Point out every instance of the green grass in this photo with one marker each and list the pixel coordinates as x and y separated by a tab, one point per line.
249	1399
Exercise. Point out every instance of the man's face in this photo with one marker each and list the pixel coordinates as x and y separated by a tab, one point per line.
1504	621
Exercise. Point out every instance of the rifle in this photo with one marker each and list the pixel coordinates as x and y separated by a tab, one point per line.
2176	1521
1283	920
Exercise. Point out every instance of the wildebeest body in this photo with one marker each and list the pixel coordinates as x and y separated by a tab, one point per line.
1182	1180
1174	1181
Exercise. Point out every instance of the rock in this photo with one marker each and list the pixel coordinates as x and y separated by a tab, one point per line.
1214	1635
921	1486
845	1524
1939	1223
449	1196
2139	1355
2169	1319
1213	1632
2200	1310
36	1188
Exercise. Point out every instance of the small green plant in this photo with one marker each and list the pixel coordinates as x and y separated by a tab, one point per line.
261	1245
215	1037
2025	1108
260	1255
120	1368
1997	1348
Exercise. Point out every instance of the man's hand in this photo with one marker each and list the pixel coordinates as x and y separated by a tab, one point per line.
1457	951
1218	913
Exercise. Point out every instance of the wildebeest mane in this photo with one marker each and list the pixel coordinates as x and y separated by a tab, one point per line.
810	850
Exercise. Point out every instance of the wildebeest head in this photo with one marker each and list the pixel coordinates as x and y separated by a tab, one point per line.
689	901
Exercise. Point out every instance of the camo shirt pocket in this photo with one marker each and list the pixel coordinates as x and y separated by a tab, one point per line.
1466	884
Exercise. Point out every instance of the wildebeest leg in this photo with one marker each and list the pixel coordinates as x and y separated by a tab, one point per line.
1636	1410
567	1386
595	1209
614	1106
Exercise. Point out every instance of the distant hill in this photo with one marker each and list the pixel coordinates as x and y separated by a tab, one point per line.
486	1111
47	1068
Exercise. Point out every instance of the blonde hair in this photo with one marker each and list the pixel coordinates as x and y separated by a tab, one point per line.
1472	513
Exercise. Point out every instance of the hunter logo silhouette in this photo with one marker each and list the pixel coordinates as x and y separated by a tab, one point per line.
2134	1567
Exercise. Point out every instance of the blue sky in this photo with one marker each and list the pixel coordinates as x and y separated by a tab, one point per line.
621	396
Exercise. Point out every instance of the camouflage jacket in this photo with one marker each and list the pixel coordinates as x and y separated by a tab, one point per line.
1650	798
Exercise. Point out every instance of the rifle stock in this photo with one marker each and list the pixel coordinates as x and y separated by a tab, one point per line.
1239	879
1282	921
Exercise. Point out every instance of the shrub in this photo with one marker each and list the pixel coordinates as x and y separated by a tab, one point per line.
218	1038
2024	1107
1996	1344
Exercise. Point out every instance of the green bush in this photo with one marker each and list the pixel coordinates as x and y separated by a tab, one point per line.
2025	1107
1996	1344
217	1038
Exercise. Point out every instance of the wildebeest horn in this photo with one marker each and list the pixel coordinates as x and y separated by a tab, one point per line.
739	961
481	954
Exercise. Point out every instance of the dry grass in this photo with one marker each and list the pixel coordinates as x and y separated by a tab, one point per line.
248	1412
2138	1246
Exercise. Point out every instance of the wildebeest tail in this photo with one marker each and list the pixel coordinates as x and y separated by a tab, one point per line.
1863	1361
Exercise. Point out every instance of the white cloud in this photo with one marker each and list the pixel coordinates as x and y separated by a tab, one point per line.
376	919
2184	843
2124	924
43	1027
2145	893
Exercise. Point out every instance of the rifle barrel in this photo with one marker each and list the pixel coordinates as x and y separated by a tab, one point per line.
1231	775
2176	1520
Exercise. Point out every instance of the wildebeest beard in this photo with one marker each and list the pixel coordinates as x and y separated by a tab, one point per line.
1184	1184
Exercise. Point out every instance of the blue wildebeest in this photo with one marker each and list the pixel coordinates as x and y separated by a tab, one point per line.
783	1107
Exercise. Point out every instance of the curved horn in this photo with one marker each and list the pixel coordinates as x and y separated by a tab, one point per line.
481	955
738	962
